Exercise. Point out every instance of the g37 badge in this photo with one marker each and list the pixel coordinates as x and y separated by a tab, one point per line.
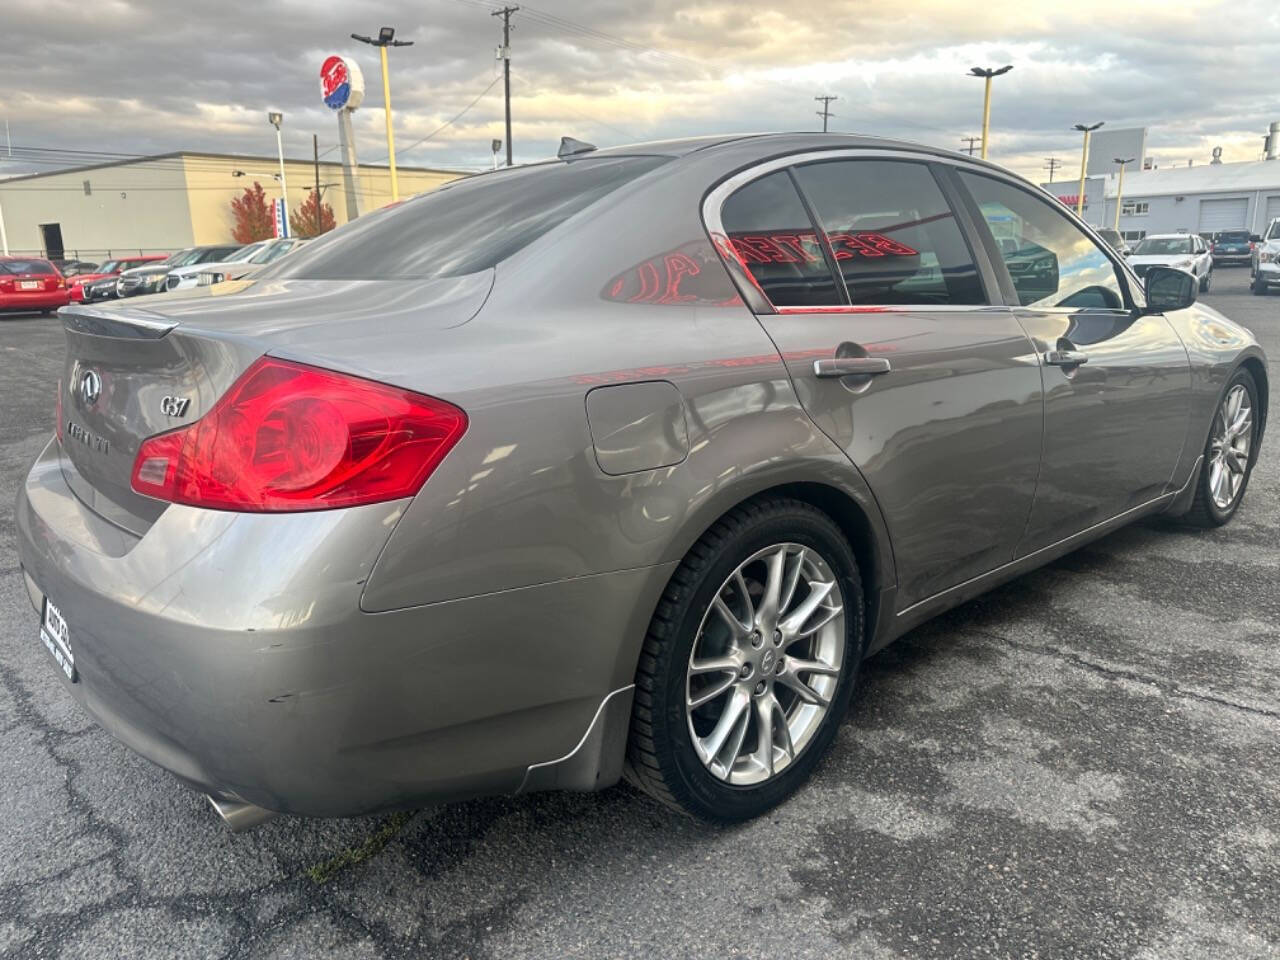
174	406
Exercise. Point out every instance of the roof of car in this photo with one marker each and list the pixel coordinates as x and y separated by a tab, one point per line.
1167	236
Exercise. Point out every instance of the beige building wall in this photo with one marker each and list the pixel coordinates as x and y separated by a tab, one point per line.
167	203
129	207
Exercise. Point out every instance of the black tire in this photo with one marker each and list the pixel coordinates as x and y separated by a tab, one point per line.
1204	511
1258	287
661	759
1206	281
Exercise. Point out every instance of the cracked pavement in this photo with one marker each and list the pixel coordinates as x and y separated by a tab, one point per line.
1083	763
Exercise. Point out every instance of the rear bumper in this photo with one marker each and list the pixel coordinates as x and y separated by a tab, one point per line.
34	301
230	650
1233	257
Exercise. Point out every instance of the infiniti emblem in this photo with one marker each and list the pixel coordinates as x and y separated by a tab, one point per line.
90	387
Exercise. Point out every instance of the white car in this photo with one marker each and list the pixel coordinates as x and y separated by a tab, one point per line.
180	278
218	272
1185	251
1266	260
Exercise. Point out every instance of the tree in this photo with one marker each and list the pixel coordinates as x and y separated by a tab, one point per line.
252	215
303	220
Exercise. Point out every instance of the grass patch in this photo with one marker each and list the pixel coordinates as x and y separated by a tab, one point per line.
324	872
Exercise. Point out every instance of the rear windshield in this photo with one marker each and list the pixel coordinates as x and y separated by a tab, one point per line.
1234	236
1164	246
463	227
26	266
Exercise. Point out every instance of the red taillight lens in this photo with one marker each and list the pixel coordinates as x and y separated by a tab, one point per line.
8	286
292	437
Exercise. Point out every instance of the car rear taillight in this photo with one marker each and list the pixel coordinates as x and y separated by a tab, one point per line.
287	436
8	285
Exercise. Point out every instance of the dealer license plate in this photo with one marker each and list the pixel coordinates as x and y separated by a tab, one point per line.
56	636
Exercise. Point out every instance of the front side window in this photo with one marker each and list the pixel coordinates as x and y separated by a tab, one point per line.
776	242
1052	262
895	238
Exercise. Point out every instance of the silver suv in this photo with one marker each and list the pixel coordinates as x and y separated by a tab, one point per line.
1266	260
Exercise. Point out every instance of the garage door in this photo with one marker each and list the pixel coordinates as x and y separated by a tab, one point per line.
1218	215
1273	211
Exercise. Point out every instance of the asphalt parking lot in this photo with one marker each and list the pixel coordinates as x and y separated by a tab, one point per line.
1084	763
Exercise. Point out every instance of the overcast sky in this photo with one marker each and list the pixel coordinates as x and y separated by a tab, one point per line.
136	77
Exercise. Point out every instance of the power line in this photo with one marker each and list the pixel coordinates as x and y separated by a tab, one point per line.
971	141
825	112
1051	164
452	120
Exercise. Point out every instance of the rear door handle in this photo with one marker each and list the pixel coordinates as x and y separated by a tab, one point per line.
850	366
1065	358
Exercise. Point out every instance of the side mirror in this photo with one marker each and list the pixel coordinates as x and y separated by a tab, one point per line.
1169	289
1127	252
1254	238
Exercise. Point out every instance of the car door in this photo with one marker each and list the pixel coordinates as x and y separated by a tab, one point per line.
884	317
1116	382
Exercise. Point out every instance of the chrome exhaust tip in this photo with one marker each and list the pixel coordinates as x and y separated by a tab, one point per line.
238	815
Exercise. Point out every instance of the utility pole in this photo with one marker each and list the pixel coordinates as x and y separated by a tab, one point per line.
1051	164
825	112
505	13
971	141
315	149
1122	162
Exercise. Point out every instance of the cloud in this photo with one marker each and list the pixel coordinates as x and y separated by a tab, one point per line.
143	76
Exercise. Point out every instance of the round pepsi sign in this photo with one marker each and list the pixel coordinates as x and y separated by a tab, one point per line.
341	83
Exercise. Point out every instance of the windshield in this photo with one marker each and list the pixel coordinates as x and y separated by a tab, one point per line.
1273	233
270	252
464	227
111	266
245	252
43	267
1234	236
180	259
1163	246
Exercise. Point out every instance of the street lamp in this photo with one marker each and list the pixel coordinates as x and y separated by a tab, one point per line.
386	38
987	73
1084	162
1120	186
275	118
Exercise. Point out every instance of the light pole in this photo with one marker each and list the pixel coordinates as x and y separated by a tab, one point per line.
386	38
1120	186
987	73
1084	162
275	118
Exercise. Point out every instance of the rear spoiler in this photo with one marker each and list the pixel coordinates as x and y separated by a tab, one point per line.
121	323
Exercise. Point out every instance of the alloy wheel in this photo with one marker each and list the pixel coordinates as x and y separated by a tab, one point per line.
765	664
1229	448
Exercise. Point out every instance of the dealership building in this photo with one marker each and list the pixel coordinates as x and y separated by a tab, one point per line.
169	201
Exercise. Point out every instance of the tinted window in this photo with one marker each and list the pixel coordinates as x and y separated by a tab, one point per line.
27	266
1233	236
463	227
1053	263
1164	246
1273	232
774	238
894	237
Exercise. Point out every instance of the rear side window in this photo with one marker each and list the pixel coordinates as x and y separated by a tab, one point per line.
463	227
1052	262
895	238
777	243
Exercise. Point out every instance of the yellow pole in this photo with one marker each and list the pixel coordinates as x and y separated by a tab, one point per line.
1084	162
986	116
391	137
1119	195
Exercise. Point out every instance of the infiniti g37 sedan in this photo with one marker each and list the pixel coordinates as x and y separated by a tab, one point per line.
616	465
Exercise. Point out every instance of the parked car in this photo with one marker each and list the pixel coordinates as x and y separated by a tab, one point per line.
622	463
1182	251
1116	241
71	268
111	268
264	251
217	273
152	277
31	285
1232	246
1266	260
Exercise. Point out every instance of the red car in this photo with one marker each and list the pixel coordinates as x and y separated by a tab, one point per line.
109	269
31	285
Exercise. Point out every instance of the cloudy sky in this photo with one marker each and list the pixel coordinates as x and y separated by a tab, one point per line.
137	77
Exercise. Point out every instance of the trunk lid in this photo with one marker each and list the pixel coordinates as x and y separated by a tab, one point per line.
142	367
